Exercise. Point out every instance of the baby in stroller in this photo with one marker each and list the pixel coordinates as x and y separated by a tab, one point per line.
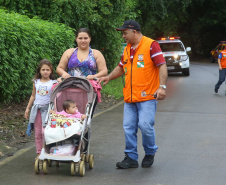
67	143
70	110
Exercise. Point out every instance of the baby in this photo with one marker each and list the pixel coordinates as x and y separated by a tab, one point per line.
70	110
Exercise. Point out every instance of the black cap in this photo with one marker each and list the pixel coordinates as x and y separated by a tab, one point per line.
129	24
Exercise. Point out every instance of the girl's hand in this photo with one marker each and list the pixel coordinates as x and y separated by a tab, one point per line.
26	113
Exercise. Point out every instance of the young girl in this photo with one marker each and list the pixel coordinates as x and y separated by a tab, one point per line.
40	98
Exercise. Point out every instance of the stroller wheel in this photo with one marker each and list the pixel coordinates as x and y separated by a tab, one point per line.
45	168
83	157
49	163
91	161
82	168
87	158
57	164
73	169
37	166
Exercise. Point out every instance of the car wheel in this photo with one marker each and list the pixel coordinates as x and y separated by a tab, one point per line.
186	72
212	60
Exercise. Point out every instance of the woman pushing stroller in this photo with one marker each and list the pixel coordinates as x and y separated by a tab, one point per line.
82	61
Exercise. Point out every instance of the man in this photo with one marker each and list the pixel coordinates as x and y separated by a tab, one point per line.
222	69
145	82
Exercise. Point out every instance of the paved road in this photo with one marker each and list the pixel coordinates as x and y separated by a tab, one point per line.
190	132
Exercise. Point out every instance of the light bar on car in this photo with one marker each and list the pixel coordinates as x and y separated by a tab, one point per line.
168	38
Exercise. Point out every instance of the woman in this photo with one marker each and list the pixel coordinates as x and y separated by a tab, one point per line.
82	61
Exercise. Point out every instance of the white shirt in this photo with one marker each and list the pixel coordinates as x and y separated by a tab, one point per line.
43	91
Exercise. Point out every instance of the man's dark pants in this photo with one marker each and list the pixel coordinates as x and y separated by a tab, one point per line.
222	75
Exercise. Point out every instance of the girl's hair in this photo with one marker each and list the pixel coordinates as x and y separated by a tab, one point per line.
86	30
67	104
41	63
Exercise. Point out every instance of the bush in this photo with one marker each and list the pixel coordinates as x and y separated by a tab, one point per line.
100	16
24	42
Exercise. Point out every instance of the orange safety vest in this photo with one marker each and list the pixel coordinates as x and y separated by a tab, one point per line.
223	59
141	74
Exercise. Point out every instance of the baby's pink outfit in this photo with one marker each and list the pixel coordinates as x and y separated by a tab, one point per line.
76	115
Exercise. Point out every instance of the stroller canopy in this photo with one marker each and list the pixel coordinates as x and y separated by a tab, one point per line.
76	88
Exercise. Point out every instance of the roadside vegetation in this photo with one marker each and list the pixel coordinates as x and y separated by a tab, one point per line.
32	30
114	88
24	42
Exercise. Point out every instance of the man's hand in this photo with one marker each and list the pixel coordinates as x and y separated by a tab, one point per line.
161	93
105	79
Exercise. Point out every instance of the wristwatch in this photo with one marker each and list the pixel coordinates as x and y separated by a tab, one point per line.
163	86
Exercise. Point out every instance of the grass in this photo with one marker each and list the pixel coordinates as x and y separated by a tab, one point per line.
114	88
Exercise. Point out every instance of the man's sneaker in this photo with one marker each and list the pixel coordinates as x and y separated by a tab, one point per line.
216	90
127	163
148	160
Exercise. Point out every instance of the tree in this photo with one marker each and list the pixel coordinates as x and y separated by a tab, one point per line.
200	23
100	16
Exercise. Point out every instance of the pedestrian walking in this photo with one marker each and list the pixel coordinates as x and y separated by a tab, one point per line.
39	100
222	69
145	72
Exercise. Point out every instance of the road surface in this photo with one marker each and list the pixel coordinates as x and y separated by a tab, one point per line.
190	133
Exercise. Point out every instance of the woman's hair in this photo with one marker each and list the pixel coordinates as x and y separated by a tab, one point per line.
67	104
41	63
86	30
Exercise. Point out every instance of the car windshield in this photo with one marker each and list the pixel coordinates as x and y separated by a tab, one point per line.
174	46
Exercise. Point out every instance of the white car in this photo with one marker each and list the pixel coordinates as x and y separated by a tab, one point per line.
175	54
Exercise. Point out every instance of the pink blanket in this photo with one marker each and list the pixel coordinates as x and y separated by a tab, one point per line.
97	88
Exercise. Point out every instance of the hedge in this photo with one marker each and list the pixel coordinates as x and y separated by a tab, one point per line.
100	16
24	42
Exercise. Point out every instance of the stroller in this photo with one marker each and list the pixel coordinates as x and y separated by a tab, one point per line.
74	138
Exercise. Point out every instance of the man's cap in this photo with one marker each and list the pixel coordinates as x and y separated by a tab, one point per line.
129	24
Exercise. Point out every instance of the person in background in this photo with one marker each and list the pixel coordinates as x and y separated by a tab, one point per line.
40	98
222	69
145	72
